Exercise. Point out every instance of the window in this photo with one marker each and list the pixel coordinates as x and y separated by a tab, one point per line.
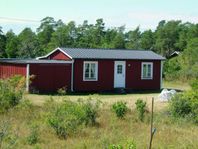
90	71
119	69
147	70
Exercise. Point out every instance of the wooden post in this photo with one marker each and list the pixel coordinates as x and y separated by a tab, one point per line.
152	131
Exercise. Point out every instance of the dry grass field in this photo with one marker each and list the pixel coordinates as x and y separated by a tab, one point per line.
170	134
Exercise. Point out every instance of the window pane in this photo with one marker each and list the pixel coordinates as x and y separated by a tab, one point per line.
144	71
119	69
93	68
86	71
90	71
149	71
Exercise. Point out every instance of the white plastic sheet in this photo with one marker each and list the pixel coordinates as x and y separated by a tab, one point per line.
166	94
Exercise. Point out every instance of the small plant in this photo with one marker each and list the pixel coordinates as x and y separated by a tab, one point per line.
141	108
194	84
11	92
120	108
185	105
131	145
91	111
33	136
128	145
3	131
113	146
180	106
62	91
65	118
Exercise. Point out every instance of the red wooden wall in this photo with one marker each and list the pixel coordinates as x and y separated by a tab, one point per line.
106	76
50	77
58	56
9	70
133	75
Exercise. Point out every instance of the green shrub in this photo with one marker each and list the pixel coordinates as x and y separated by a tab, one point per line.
11	92
33	136
67	117
120	108
62	91
113	146
3	131
128	145
90	108
185	105
180	106
194	84
25	105
131	145
141	108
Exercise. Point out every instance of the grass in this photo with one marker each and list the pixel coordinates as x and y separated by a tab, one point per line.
111	130
170	133
176	85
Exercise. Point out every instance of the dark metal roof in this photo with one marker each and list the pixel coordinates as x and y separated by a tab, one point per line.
32	61
80	53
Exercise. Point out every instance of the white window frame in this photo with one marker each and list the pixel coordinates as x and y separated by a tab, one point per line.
142	73
96	70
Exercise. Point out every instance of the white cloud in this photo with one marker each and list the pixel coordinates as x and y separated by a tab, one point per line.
147	16
147	20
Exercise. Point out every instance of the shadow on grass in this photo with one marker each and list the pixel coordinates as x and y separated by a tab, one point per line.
113	92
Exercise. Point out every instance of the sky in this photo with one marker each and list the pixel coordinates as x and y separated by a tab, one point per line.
18	14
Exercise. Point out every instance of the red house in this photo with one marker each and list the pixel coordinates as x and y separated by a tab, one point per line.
88	70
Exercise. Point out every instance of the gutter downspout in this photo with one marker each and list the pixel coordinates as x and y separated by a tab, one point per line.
27	77
72	76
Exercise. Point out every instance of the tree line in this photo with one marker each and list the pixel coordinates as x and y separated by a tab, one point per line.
169	36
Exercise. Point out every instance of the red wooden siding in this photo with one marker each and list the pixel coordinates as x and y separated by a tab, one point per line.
50	77
9	70
106	76
133	75
58	56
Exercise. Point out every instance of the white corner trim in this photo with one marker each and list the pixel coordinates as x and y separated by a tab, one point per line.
72	76
161	72
27	77
90	62
53	52
147	63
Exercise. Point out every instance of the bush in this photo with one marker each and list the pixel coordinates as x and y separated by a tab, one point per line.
62	91
33	137
128	145
113	146
141	108
11	92
3	131
194	84
180	106
91	111
120	108
185	105
66	118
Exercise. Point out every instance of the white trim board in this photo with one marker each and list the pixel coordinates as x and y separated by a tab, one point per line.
161	73
90	62
27	77
147	63
120	79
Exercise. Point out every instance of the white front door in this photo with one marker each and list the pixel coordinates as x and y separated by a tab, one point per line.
119	74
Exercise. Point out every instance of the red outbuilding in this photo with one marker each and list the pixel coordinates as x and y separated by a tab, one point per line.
80	69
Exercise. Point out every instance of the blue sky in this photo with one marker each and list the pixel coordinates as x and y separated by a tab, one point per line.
131	13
